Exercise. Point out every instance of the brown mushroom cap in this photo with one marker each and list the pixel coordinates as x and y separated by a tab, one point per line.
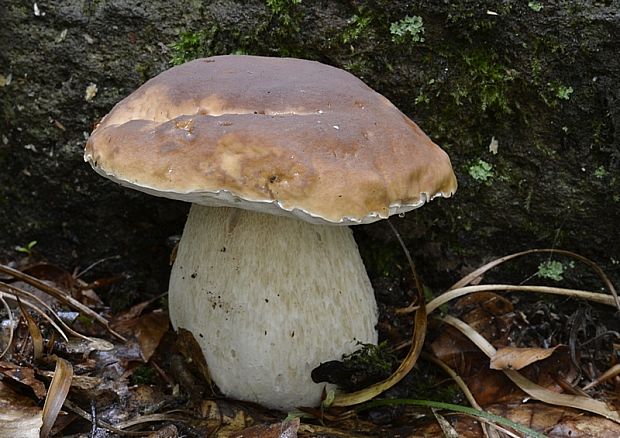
279	135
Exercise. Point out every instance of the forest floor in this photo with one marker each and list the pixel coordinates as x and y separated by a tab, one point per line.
476	360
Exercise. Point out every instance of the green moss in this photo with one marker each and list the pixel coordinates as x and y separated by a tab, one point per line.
286	12
357	26
209	42
357	66
559	90
600	172
487	81
144	71
381	260
192	45
408	30
143	375
369	364
553	269
370	356
481	171
535	6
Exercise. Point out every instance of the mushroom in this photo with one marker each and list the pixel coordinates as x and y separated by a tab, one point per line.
277	157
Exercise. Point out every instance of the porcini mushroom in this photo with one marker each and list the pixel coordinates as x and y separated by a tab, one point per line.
277	156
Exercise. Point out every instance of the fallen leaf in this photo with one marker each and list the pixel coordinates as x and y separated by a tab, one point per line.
558	421
85	346
515	358
59	388
134	311
59	277
84	383
20	417
147	329
486	385
585	426
23	375
489	313
531	388
190	349
233	426
285	429
35	333
169	431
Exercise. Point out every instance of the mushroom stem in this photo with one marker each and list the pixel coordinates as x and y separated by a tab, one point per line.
270	301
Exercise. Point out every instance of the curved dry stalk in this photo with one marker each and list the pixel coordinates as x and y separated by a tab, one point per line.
575	293
487	427
11	331
92	265
405	367
596	268
150	418
39	311
454	376
495	428
607	375
419	334
35	332
496	419
447	429
61	296
100	423
56	395
24	293
532	389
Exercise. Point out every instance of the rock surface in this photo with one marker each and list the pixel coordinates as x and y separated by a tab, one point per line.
524	96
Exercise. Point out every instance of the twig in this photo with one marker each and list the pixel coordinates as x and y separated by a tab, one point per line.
419	333
596	268
92	265
100	423
61	296
455	293
11	330
532	389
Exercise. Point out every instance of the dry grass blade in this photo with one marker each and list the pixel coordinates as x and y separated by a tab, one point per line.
151	418
405	367
100	423
11	330
488	427
98	262
532	389
454	376
575	293
61	296
35	333
607	375
13	292
446	427
596	268
515	358
419	334
495	428
27	303
526	431
56	395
